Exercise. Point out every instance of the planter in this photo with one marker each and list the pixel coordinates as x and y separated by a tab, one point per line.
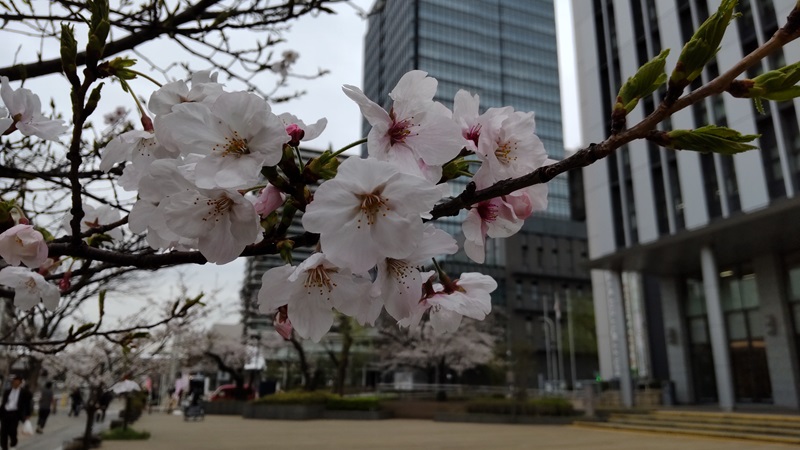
282	412
225	408
356	415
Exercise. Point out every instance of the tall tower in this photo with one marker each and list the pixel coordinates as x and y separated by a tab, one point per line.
696	257
505	51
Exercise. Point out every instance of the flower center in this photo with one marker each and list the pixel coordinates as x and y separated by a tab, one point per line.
318	278
487	211
371	206
219	206
473	134
399	270
506	152
235	146
399	131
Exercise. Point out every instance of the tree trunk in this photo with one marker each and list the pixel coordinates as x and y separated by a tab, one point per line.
34	370
91	409
344	355
305	368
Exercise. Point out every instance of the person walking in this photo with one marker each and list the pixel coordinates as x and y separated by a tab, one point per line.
46	403
16	408
77	403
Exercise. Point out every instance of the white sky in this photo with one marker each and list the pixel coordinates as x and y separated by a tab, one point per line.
333	42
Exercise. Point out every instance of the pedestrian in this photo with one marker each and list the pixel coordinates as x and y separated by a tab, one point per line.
77	402
46	403
16	408
105	400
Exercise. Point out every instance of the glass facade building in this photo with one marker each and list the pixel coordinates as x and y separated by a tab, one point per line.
506	52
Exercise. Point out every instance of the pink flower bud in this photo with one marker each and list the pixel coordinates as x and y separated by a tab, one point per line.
282	324
296	133
269	199
65	282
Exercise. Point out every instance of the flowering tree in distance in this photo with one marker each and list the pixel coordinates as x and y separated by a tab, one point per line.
217	176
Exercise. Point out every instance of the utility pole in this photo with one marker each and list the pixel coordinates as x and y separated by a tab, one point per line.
571	337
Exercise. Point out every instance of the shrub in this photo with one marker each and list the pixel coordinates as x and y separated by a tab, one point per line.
353	404
296	398
127	434
547	406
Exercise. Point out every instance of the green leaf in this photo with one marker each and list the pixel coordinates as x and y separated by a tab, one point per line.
703	46
647	79
778	85
710	138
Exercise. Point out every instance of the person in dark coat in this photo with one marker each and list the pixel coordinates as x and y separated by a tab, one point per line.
16	408
46	403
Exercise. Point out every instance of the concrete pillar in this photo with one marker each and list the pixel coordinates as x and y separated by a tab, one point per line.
619	337
677	339
778	333
716	329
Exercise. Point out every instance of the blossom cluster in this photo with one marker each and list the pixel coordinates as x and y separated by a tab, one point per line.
197	164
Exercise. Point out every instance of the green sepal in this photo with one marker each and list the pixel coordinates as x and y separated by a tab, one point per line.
325	166
710	138
647	79
285	248
703	45
69	54
458	167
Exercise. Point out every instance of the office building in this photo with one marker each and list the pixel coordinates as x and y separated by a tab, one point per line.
695	257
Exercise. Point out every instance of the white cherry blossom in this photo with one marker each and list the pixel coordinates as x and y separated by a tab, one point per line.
237	135
204	88
223	221
94	217
30	288
498	217
470	296
23	244
415	128
310	291
508	146
399	281
25	113
369	212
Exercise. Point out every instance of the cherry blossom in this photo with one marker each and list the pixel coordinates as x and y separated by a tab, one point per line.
223	221
95	217
399	281
25	112
470	296
161	179
415	128
310	291
508	146
205	89
23	244
30	288
498	217
237	135
369	212
299	131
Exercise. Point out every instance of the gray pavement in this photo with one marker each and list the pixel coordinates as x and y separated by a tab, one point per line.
60	428
232	432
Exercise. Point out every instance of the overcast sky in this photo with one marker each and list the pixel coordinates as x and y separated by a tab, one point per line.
332	42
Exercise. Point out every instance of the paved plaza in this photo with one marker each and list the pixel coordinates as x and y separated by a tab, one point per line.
231	432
